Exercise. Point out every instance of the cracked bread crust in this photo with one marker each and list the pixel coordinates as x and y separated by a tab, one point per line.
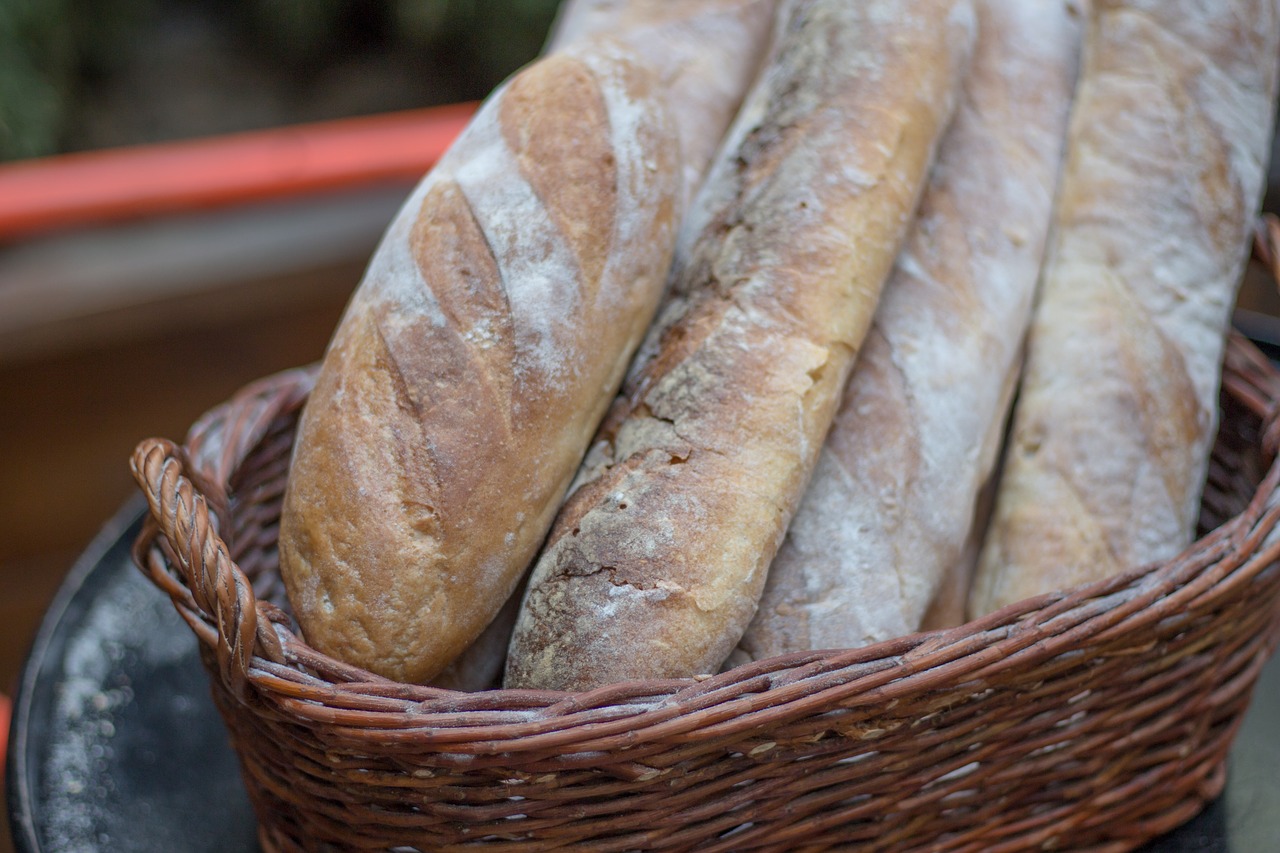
475	361
1117	408
888	511
656	562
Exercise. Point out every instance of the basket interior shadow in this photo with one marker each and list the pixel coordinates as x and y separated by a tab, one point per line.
1096	719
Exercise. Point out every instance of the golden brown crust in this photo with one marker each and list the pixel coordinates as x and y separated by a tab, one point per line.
574	173
475	362
1117	408
656	563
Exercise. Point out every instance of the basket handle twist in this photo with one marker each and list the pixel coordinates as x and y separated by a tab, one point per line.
1266	250
214	585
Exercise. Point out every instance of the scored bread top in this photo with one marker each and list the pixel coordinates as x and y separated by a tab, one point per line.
475	360
705	54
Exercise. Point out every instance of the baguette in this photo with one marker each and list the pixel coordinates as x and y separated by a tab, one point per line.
704	55
475	360
1117	408
891	503
656	561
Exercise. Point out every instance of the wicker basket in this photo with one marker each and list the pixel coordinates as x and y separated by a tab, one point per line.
1094	719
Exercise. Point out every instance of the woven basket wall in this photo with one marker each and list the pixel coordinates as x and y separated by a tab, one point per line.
1091	720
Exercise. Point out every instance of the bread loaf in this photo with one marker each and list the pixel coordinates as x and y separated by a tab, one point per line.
887	515
475	361
656	562
1117	408
705	53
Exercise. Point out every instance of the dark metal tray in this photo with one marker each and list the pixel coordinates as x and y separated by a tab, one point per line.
115	744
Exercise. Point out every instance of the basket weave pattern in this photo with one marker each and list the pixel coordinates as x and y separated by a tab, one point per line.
1093	719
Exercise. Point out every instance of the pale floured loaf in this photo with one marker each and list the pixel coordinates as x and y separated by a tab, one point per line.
1117	407
656	562
475	361
888	512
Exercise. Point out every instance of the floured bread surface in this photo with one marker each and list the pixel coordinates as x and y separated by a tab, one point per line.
706	54
656	561
475	361
889	509
1117	410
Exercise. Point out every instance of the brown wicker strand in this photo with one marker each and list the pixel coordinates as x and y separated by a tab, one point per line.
218	588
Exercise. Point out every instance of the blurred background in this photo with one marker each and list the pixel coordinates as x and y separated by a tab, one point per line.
128	327
87	74
124	327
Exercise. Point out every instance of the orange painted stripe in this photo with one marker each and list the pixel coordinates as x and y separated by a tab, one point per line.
146	180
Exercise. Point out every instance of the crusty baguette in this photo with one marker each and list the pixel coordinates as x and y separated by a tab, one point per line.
475	361
889	509
1117	408
706	54
657	559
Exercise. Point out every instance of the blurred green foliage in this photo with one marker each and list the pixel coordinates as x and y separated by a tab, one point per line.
35	63
500	31
48	48
57	55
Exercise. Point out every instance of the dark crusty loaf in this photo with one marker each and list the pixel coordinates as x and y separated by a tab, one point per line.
657	559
